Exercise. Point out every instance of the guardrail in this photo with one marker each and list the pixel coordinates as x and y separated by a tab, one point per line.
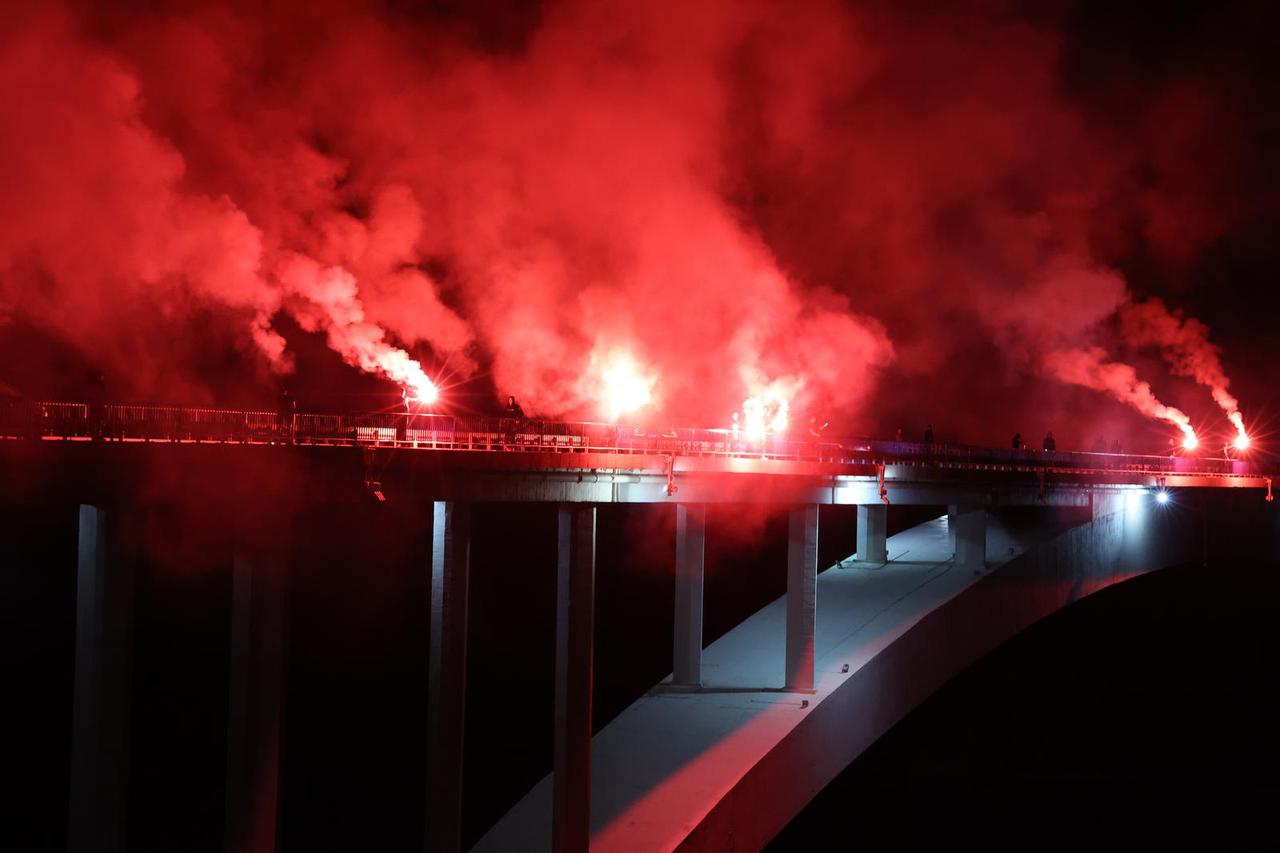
119	422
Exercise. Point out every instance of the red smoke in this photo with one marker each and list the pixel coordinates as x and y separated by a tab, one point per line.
730	197
1184	343
1090	368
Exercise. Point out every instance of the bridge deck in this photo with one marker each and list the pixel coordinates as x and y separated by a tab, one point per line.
569	445
660	766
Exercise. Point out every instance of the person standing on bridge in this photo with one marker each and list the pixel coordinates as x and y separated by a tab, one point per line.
928	434
514	419
1049	444
1017	441
286	408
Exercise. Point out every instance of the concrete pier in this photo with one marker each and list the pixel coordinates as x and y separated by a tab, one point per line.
802	596
575	624
447	673
873	525
971	537
255	712
691	526
101	693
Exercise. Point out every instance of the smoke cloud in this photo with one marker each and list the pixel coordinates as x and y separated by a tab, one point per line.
868	212
1091	369
1184	343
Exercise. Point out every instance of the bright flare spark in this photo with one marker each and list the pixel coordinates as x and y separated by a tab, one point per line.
1162	497
421	391
764	414
1190	442
625	389
1242	438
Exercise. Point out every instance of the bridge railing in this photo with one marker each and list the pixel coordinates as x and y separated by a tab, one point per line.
973	456
20	419
126	422
172	423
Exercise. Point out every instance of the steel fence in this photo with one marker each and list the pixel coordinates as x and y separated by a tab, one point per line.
126	422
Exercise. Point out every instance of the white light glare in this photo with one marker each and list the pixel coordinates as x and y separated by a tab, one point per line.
1162	497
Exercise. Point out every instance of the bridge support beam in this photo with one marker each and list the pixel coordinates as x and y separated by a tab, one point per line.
691	526
101	692
971	537
256	702
575	622
447	671
802	595
952	511
873	526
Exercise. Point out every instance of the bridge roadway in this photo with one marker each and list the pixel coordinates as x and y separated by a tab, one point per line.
724	754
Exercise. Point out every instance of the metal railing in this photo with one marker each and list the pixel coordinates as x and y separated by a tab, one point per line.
119	422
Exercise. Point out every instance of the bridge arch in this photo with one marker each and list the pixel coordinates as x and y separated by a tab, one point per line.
741	787
1125	538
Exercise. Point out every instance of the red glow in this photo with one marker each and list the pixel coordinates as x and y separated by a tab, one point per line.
421	392
407	190
766	412
624	387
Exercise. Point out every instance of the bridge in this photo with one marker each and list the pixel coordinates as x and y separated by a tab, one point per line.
743	733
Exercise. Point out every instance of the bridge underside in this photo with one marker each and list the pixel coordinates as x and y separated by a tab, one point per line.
729	765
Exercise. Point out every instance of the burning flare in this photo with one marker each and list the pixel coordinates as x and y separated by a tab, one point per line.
1242	441
765	413
624	388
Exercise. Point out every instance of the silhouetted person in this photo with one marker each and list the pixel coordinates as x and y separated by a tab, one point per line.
285	408
898	436
928	434
514	418
1100	446
1017	441
1115	446
1049	444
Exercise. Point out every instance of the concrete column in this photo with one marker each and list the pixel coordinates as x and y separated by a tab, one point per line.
255	714
447	671
971	537
101	690
691	531
873	527
802	595
952	511
575	623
